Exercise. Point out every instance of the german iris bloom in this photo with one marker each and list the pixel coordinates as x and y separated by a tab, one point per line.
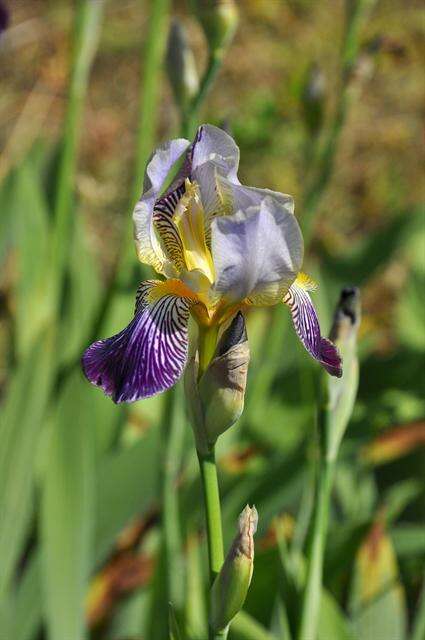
221	247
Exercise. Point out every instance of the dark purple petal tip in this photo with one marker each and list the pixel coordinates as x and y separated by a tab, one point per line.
306	324
330	358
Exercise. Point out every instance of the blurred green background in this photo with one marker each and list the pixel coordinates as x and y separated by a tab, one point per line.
84	548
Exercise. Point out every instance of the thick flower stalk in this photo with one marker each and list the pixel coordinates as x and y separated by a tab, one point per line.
220	248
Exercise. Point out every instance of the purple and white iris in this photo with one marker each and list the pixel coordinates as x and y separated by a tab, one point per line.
220	247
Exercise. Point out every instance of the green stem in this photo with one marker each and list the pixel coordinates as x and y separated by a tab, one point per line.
211	494
173	431
207	342
191	116
87	27
313	589
326	158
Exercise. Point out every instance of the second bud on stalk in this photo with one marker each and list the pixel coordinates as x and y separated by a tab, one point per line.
231	586
216	400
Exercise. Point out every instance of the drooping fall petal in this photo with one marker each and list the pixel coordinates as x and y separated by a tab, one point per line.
307	326
150	354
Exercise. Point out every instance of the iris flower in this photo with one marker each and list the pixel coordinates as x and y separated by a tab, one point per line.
220	247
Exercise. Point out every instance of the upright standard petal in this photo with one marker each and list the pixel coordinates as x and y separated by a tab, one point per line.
213	144
162	161
150	354
256	251
307	326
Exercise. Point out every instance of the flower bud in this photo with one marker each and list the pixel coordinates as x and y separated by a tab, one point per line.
219	19
341	392
312	99
181	66
231	586
222	387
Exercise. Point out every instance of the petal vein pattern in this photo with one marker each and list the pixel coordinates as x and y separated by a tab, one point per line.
150	354
162	161
307	326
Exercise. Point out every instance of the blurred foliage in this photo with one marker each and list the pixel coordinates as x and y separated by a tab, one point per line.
84	543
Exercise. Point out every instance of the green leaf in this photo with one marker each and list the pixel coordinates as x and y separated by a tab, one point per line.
127	485
33	291
408	539
82	299
411	313
245	627
67	513
28	602
195	613
21	422
332	622
377	601
173	624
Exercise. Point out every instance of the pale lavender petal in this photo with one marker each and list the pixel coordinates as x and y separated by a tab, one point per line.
220	196
158	168
215	145
254	249
146	357
307	326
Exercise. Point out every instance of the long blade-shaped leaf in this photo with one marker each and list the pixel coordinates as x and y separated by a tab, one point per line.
68	513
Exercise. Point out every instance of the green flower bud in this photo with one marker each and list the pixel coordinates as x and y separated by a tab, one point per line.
341	392
313	99
222	387
181	66
219	19
216	401
231	586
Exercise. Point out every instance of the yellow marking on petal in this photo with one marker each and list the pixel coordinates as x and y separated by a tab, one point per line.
305	282
190	222
170	287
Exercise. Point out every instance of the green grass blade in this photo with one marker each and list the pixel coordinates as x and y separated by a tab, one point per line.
87	28
67	514
127	484
27	604
245	627
20	425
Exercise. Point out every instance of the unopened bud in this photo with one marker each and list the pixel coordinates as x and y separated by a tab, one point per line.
219	19
181	66
341	392
231	586
222	387
313	99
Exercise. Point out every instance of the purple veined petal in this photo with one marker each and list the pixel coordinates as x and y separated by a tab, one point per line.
255	250
306	324
160	164
150	354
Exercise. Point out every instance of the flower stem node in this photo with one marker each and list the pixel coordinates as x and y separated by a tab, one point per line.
231	586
